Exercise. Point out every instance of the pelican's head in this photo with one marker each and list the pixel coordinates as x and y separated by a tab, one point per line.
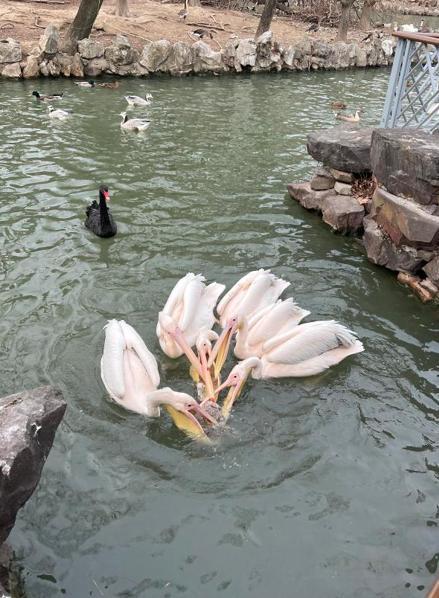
204	341
182	409
236	380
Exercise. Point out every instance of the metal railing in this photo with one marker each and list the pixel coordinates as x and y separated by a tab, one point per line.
412	98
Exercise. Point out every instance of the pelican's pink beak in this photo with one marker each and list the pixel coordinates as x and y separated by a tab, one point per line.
236	383
202	412
219	352
178	336
224	385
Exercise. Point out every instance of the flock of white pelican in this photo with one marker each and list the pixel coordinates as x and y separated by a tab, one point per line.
270	342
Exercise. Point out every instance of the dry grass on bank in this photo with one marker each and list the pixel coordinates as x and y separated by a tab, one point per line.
149	20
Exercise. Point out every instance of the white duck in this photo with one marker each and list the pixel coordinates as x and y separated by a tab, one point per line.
252	292
134	124
130	374
139	101
58	113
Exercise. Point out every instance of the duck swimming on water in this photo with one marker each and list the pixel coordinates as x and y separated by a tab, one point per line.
90	83
47	98
139	101
98	217
134	124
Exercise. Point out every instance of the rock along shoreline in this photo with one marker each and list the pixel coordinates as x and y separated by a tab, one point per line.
120	58
381	185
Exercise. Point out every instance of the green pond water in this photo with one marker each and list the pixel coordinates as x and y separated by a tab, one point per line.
326	486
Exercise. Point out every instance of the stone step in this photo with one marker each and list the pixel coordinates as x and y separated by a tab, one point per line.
344	148
406	163
309	198
343	213
406	222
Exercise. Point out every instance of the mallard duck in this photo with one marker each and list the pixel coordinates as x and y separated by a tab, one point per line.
109	85
47	98
58	113
338	105
90	83
134	124
138	101
349	118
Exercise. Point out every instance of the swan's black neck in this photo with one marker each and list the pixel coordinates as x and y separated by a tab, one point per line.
103	211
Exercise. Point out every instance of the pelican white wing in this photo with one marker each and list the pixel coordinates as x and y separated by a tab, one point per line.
279	317
190	305
128	369
253	292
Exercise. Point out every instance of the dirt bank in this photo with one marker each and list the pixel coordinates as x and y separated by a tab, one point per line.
150	21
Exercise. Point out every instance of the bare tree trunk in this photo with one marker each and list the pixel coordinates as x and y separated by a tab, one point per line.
342	33
122	8
82	24
366	13
266	17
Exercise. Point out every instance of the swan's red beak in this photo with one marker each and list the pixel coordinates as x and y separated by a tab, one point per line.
107	195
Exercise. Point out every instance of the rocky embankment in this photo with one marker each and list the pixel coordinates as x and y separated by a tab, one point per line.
383	186
120	58
28	422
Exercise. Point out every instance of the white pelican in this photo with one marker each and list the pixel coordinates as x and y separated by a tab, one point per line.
138	101
266	324
188	311
252	292
305	350
58	113
133	124
130	374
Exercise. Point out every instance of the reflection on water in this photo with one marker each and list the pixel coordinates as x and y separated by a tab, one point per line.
323	486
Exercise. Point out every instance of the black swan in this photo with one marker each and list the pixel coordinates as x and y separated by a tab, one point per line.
99	220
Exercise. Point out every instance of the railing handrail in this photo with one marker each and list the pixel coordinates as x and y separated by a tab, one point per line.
426	38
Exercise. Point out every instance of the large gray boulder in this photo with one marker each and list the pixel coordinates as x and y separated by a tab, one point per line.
345	147
10	51
206	59
307	197
96	66
89	48
28	422
120	53
32	67
432	270
268	53
245	54
406	222
155	54
180	60
49	41
406	162
381	251
343	213
11	71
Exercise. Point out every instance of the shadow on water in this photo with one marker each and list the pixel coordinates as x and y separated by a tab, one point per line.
324	486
